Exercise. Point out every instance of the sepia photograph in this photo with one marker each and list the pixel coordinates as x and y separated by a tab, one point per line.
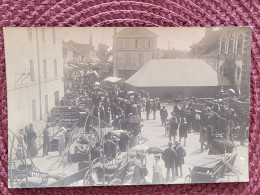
106	106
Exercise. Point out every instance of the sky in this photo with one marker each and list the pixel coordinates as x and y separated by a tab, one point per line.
180	38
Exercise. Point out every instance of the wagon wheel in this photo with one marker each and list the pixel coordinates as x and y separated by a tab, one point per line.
88	179
115	182
187	179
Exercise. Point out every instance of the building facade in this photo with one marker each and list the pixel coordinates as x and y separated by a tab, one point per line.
34	74
77	54
133	47
228	51
234	57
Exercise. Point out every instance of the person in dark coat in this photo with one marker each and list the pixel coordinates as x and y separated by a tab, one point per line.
123	142
210	136
158	104
31	137
222	125
181	153
173	127
163	115
95	114
109	147
169	157
189	120
148	108
95	152
102	117
46	140
183	130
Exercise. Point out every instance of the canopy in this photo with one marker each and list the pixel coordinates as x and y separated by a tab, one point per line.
177	73
113	79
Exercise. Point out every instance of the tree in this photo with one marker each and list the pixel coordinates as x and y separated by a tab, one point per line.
104	52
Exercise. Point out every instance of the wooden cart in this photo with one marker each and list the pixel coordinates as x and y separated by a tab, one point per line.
211	169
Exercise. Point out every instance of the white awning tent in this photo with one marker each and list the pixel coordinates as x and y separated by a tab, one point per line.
113	79
177	73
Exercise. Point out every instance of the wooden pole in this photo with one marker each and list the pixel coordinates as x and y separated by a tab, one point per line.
25	163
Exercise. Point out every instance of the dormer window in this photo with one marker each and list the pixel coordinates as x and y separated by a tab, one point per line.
223	46
231	45
240	45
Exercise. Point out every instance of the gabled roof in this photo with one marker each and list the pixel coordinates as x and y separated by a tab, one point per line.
135	32
177	73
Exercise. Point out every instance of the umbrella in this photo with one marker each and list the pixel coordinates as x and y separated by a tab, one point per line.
97	83
232	90
154	150
141	147
117	132
134	119
130	92
113	79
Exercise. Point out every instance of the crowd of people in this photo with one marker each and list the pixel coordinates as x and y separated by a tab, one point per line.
112	106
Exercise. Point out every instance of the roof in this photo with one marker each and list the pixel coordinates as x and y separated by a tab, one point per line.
135	32
82	49
177	72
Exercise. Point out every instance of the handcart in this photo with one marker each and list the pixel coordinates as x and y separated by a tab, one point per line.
211	169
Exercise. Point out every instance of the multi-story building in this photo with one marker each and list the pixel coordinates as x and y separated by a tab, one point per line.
133	47
76	53
227	50
34	67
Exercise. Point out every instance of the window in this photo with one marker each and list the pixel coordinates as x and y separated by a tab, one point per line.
29	34
46	104
120	44
56	98
34	110
44	69
230	45
147	44
53	36
55	68
223	46
121	58
43	35
32	76
139	44
136	43
134	58
240	45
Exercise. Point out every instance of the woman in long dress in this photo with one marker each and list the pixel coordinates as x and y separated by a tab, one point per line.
31	146
137	175
157	170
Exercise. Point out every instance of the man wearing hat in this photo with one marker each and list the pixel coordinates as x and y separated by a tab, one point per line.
181	153
169	157
164	115
173	127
